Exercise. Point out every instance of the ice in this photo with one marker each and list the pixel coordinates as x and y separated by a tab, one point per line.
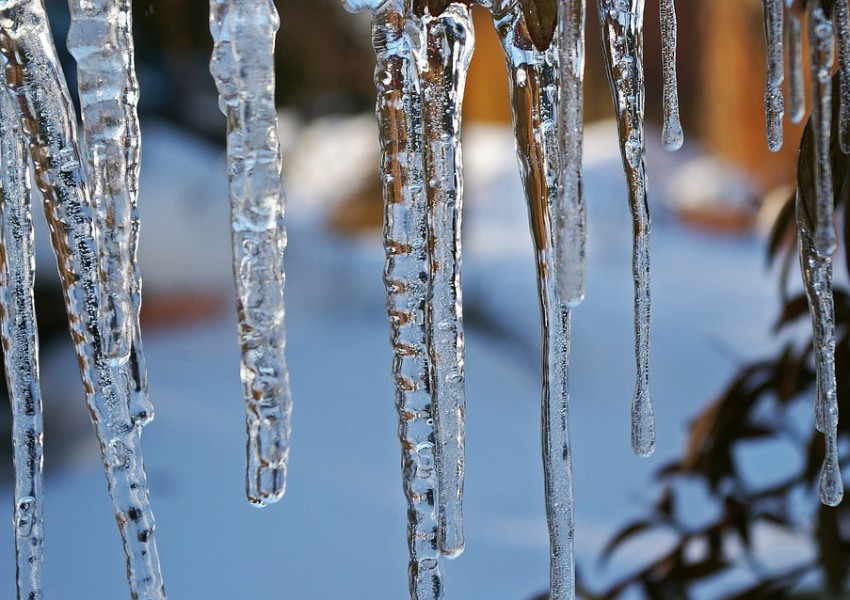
570	222
817	277
841	22
407	275
442	52
533	76
773	100
671	135
622	31
43	105
243	68
796	85
20	349
822	58
100	39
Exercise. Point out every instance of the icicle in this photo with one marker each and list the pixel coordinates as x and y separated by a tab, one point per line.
101	40
533	76
841	22
794	43
672	136
243	68
20	345
570	222
44	106
822	56
773	100
407	274
442	52
622	29
817	276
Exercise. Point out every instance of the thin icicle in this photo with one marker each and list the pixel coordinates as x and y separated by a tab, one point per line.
773	100
817	276
444	50
794	44
671	136
20	349
43	104
622	30
100	38
822	58
406	275
841	21
570	223
533	79
243	68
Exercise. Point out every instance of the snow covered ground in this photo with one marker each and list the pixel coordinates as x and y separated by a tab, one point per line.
340	531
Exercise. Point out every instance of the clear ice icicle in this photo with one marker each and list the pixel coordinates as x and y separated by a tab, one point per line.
100	38
774	102
243	68
442	58
406	275
841	21
622	31
822	58
20	349
570	222
796	85
533	76
817	277
44	106
671	136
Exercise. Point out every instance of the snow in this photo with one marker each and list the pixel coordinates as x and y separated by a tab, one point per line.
340	531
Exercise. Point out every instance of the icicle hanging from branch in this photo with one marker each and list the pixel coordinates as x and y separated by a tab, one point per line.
43	106
243	68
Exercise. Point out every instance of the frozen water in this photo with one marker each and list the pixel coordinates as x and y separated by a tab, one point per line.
671	135
243	68
773	100
796	85
841	23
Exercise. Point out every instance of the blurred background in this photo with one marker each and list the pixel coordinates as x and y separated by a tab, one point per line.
340	531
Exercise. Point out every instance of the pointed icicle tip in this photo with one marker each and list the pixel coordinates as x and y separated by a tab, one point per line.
643	424
831	483
672	136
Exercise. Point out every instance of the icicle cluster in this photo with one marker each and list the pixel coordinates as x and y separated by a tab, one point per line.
42	107
422	60
828	26
243	68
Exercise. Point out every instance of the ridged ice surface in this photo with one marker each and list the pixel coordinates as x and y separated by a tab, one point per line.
100	38
242	66
442	51
671	135
533	77
822	59
817	277
20	349
841	23
622	32
570	222
44	107
774	101
796	83
406	275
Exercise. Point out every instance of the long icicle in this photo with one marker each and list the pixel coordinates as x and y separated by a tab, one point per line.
243	68
622	31
533	76
20	350
822	59
794	44
773	100
817	277
100	38
442	62
671	135
841	22
406	275
570	222
44	106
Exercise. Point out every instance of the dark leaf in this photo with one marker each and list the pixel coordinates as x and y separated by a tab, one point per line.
541	18
621	536
833	557
792	310
784	230
436	7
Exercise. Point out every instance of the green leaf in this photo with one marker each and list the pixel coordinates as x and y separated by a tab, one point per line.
541	18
